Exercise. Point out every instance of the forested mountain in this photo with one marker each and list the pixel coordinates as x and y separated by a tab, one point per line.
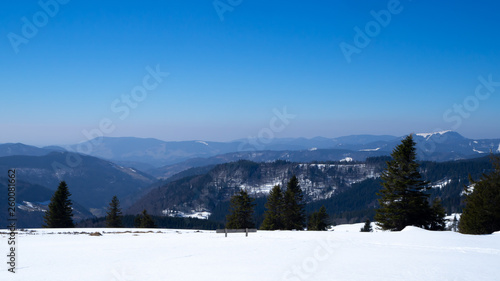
347	189
92	181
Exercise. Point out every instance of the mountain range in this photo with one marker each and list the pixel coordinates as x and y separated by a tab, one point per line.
192	175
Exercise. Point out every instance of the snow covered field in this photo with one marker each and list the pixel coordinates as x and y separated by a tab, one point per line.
344	254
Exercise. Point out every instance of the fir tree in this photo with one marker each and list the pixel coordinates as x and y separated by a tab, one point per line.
403	201
273	218
367	227
241	215
60	212
437	222
144	220
294	213
114	214
481	214
318	220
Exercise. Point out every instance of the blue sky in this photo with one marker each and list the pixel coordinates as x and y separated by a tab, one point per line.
227	78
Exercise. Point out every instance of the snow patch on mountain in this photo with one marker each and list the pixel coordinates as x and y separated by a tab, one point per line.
478	151
347	159
370	149
428	135
202	142
498	150
203	215
442	183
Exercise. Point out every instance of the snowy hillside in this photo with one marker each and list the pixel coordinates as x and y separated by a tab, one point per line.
344	254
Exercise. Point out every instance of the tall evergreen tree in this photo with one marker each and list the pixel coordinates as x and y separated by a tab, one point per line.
318	220
481	214
241	215
114	214
60	212
144	220
403	201
273	218
294	207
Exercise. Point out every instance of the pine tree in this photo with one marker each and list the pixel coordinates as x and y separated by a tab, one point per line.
60	212
318	220
114	214
367	227
273	218
403	201
437	222
241	215
144	220
481	214
294	207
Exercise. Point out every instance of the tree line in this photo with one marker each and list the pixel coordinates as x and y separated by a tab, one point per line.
404	201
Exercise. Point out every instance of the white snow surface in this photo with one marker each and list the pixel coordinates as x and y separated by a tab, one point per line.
164	254
498	150
202	142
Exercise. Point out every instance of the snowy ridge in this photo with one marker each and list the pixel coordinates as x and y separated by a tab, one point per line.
428	135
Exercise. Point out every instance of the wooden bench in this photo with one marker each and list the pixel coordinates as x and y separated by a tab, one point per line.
226	231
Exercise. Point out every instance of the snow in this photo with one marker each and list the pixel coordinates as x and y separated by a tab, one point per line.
202	142
313	149
478	151
203	215
342	254
347	159
498	150
442	183
428	135
370	149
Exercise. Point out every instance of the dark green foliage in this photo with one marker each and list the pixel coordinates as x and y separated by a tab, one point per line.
294	206
318	220
144	220
438	213
403	201
481	214
60	213
367	227
114	214
273	219
241	215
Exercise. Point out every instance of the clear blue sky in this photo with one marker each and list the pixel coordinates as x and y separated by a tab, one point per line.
227	76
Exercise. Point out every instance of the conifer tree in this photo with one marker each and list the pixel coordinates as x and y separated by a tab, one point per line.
318	220
367	227
144	220
481	214
273	218
294	207
403	201
60	212
241	215
114	214
437	220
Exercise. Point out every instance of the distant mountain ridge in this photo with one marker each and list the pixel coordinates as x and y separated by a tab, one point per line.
164	158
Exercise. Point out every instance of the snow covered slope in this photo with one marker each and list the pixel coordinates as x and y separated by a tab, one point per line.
344	254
